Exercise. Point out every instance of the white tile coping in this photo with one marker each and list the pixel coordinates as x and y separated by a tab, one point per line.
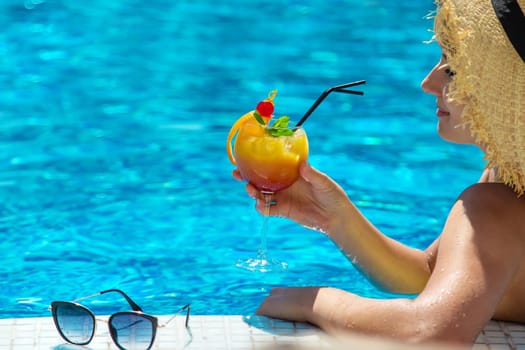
234	333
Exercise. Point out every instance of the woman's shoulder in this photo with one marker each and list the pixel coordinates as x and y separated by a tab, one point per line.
492	215
491	192
494	201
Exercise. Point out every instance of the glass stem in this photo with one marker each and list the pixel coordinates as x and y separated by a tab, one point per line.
268	198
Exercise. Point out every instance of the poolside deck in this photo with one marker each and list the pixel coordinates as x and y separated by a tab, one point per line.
236	333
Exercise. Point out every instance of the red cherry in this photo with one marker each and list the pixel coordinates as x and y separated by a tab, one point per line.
265	108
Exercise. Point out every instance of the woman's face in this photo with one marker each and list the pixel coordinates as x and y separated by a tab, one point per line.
448	113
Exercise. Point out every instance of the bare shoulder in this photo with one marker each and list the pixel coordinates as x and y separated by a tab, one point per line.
493	210
492	201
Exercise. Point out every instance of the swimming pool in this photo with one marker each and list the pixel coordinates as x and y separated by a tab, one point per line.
113	123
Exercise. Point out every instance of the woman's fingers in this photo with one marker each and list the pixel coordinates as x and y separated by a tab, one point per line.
293	303
252	191
237	175
260	202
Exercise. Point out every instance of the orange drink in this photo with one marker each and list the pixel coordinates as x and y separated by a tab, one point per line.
268	162
268	156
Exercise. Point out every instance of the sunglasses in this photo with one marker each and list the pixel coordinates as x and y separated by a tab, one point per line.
128	329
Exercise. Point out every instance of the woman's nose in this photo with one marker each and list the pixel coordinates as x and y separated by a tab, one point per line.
431	84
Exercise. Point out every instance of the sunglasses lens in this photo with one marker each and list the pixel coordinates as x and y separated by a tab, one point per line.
75	324
131	331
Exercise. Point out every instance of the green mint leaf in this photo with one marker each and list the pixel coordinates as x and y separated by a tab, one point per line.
258	117
282	122
280	132
280	127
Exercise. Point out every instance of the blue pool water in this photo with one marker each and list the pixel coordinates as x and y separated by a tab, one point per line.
113	119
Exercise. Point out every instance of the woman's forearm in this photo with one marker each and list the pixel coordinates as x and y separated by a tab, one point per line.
336	311
386	262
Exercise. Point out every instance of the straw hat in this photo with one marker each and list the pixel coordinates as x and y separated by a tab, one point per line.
484	41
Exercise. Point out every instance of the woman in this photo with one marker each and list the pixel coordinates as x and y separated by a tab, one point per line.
475	270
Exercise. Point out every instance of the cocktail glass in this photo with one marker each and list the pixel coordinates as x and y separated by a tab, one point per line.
270	161
271	164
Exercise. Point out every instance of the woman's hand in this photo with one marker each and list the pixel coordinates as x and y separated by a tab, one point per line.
294	303
323	306
314	200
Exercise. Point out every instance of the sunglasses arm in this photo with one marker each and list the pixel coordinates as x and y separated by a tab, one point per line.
184	308
131	303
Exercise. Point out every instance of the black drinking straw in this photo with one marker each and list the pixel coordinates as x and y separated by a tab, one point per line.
338	88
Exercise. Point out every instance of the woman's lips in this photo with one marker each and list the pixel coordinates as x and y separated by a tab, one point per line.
442	113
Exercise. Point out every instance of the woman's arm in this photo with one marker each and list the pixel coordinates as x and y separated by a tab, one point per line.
386	262
479	254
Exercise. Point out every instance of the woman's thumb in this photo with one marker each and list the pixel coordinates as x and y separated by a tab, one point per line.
310	174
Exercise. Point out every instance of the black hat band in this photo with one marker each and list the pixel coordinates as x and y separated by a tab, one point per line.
513	22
